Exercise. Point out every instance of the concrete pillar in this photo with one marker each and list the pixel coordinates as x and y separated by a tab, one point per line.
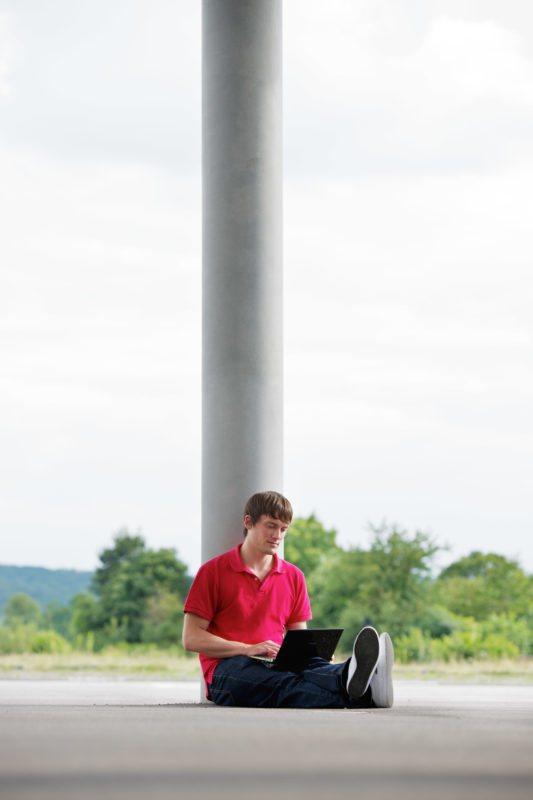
242	392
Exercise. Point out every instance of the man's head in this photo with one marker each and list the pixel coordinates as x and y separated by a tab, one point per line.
273	504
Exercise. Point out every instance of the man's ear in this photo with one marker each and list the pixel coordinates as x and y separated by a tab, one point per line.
248	523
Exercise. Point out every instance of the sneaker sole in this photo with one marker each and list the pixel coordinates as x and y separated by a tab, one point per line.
366	652
381	684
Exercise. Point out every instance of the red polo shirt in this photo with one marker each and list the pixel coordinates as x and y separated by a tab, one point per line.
240	608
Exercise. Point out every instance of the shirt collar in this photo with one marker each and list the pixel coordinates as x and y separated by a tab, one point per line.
237	565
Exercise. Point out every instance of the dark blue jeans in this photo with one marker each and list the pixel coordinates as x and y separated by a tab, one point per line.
244	681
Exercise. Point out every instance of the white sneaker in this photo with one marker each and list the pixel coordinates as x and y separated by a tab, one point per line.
363	662
381	682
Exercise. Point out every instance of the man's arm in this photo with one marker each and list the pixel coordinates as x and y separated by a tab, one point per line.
197	638
295	625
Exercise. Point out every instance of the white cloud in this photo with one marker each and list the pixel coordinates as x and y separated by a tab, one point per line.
447	95
7	54
108	82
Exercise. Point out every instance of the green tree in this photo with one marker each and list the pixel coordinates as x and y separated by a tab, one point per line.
59	618
308	543
162	623
85	613
130	574
21	610
125	548
388	585
482	584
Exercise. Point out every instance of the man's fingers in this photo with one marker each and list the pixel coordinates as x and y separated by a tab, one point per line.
267	648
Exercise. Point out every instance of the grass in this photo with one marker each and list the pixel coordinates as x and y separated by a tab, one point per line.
517	671
161	665
155	665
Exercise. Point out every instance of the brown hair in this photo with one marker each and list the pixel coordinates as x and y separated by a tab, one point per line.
271	503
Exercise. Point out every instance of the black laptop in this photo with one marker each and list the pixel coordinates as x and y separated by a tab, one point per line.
301	644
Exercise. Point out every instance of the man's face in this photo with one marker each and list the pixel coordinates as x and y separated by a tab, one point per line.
267	533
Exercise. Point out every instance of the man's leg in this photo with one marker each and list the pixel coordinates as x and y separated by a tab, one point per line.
355	675
244	681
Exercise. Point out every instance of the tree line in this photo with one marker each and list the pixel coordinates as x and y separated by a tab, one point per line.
480	606
136	597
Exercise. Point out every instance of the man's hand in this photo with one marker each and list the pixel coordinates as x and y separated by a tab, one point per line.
197	638
268	648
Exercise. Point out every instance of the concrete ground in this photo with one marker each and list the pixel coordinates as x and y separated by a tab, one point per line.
86	739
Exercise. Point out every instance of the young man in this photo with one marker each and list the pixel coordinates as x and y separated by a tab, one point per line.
240	605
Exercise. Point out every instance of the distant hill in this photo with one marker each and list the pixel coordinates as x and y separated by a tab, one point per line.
43	585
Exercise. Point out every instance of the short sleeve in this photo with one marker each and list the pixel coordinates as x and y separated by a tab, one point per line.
202	597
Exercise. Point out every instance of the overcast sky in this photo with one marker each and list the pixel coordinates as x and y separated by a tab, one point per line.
408	272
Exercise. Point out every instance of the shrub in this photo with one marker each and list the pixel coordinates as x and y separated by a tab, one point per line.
509	628
27	639
499	636
414	646
495	646
48	642
16	639
461	644
85	642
